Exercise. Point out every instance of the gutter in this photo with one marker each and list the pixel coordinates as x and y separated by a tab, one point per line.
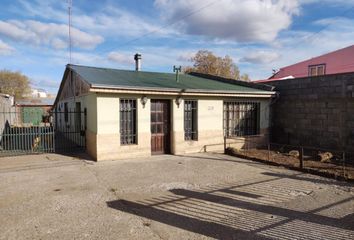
121	88
179	92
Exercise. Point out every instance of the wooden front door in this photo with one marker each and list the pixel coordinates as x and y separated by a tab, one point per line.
160	126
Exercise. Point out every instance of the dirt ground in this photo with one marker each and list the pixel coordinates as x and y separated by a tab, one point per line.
335	168
201	196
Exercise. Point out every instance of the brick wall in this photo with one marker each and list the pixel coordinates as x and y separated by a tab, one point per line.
315	111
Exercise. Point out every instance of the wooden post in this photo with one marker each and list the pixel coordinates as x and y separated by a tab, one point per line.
268	151
301	158
224	144
344	165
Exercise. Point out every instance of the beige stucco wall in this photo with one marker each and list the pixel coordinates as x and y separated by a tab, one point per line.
108	137
88	102
103	138
210	126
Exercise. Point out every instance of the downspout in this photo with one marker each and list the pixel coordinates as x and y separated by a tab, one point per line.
271	125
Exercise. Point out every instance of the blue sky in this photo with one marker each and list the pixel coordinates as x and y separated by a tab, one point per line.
260	35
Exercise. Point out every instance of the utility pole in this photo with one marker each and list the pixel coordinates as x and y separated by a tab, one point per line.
70	3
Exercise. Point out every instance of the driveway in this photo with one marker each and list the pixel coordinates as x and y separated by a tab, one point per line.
200	196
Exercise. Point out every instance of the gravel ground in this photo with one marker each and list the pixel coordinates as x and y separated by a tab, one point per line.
200	196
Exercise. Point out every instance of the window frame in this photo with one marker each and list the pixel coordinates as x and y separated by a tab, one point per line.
316	68
128	136
190	120
245	126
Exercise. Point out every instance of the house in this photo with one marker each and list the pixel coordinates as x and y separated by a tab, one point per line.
339	61
137	113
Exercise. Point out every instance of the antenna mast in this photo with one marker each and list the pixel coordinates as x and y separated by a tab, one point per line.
70	3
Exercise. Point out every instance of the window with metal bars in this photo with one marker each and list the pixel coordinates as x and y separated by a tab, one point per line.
241	118
190	120
128	121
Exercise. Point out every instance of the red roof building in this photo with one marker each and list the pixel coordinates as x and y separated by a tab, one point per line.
339	61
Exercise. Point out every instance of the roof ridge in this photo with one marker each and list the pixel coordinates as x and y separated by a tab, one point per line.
97	76
117	69
233	81
318	56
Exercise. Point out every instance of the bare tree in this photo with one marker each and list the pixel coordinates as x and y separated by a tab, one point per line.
14	83
205	61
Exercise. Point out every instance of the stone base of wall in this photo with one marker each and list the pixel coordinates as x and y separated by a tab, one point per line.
91	144
208	141
107	146
249	142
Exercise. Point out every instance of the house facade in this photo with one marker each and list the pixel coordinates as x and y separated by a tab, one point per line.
138	114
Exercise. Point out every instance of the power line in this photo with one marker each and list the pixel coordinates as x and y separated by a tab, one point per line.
344	13
167	25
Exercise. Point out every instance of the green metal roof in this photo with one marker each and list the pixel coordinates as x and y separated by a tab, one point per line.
115	78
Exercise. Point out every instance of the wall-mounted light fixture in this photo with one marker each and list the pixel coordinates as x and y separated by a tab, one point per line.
143	100
178	101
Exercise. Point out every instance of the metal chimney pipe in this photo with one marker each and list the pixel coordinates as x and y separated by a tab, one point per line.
137	58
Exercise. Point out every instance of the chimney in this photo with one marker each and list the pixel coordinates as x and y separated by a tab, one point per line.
137	58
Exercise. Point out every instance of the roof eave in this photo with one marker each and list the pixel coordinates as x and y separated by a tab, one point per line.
99	87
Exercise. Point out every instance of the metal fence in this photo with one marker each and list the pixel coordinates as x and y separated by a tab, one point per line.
327	162
20	135
70	131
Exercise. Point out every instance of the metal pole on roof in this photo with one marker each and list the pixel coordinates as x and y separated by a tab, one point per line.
177	70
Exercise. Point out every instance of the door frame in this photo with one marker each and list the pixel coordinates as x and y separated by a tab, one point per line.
168	147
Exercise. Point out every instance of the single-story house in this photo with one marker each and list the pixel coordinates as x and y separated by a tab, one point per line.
136	113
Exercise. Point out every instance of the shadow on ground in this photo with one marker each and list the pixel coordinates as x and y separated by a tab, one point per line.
247	211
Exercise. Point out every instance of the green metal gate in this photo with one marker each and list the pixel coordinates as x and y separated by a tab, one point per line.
32	115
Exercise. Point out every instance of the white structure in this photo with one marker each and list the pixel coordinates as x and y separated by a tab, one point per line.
39	93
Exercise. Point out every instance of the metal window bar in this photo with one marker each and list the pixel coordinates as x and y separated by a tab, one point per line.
191	120
69	136
128	121
241	118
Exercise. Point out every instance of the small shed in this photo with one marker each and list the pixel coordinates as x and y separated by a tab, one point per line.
35	110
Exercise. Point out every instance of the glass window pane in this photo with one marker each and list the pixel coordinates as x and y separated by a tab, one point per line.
320	70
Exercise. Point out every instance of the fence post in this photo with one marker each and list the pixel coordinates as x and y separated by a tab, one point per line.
268	151
301	157
344	165
224	144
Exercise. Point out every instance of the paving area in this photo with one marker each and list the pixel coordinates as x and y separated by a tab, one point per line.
201	196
